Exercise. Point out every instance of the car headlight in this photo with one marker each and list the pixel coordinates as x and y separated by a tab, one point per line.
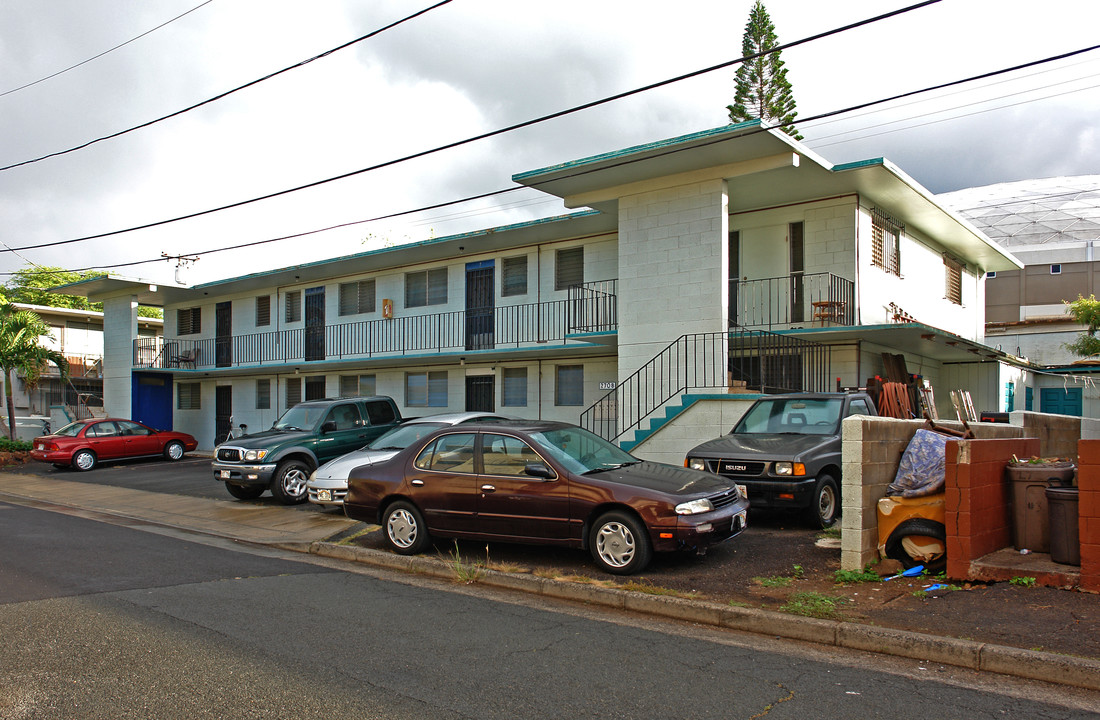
697	464
253	455
694	507
790	468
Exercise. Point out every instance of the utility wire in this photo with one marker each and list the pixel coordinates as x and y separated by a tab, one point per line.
492	133
230	92
96	57
578	173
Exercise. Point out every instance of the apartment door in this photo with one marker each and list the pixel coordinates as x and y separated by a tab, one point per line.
223	334
315	323
798	268
480	302
1060	401
480	393
223	412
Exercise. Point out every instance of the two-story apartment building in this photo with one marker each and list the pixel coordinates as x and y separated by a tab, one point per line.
734	258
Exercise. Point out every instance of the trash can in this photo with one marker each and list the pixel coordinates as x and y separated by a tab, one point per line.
1030	515
1065	539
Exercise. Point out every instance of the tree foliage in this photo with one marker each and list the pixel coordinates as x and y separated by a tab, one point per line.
763	90
20	349
1085	310
31	286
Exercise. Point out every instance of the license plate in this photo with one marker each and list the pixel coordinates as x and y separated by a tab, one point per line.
741	520
324	495
224	474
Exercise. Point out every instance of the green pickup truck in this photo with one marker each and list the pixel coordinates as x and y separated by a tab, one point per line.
306	436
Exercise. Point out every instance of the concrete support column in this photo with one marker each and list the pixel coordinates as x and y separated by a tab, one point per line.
673	259
120	328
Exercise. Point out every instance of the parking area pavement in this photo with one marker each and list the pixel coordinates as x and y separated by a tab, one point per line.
776	564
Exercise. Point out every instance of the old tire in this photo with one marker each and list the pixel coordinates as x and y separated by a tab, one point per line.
84	460
245	492
619	543
289	483
404	529
825	505
922	527
173	451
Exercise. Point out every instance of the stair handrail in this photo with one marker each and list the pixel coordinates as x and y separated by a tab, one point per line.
680	367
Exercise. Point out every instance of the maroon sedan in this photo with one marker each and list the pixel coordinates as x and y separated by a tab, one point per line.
83	444
547	483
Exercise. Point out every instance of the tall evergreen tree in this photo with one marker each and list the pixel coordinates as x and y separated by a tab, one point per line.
762	88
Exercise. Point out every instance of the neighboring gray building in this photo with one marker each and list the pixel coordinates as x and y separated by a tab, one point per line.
1053	226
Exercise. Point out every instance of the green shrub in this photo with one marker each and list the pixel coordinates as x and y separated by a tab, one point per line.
14	445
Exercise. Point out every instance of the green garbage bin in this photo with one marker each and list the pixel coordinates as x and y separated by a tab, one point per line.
1065	538
1030	514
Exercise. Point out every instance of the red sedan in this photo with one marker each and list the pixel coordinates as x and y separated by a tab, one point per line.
83	444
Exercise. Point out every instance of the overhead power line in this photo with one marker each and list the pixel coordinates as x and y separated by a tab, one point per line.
491	133
580	172
99	55
230	92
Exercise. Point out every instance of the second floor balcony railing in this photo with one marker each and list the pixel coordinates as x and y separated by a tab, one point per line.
510	326
797	300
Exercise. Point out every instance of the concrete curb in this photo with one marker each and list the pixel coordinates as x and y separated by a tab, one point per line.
1030	664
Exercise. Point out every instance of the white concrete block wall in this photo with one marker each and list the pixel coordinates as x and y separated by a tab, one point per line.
920	291
672	260
391	381
119	331
703	420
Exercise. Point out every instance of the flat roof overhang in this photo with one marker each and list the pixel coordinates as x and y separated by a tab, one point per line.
576	225
912	338
764	168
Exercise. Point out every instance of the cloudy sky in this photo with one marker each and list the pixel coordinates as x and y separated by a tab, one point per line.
463	69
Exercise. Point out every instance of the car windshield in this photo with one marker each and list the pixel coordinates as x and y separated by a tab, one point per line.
301	417
403	435
799	416
582	452
71	429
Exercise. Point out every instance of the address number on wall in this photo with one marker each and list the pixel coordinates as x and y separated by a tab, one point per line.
608	385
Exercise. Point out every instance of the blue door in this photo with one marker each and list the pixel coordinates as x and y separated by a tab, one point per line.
1060	401
151	400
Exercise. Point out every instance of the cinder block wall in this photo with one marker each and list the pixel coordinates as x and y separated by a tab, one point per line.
1088	484
872	450
1057	434
978	499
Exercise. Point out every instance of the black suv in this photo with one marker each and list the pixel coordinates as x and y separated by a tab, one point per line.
307	435
785	451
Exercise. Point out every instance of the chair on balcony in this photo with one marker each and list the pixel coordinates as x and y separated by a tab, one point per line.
828	311
187	358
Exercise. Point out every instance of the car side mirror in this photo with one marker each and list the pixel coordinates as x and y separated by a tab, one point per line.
329	426
539	470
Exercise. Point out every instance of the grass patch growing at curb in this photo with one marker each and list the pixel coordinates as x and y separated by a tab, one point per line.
813	604
849	577
774	581
1023	581
466	572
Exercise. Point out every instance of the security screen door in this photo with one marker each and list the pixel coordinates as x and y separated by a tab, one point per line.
479	305
315	323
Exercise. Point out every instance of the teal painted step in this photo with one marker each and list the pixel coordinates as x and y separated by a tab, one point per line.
671	411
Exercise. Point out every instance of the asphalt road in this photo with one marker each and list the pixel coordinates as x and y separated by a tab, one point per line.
107	621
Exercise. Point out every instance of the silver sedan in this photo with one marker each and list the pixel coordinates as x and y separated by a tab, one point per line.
329	483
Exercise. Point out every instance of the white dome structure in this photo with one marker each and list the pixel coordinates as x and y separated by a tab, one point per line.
1028	213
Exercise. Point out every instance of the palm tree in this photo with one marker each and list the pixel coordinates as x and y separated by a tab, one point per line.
20	333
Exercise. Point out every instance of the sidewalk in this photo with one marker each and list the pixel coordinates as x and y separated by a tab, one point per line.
312	532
